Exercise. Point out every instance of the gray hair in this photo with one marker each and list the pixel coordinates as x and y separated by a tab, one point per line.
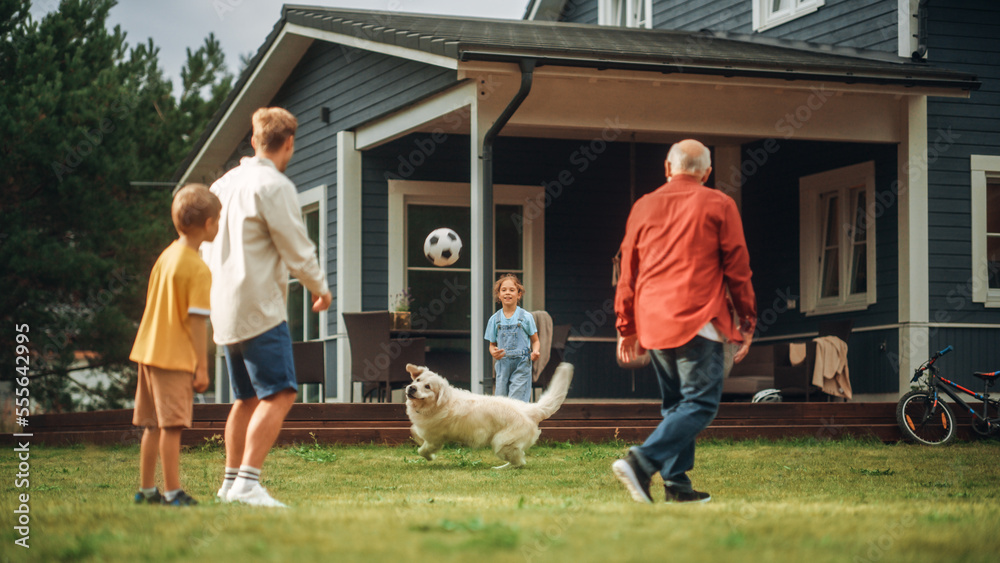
681	161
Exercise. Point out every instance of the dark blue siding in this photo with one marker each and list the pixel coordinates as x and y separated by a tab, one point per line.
863	24
976	349
580	11
963	36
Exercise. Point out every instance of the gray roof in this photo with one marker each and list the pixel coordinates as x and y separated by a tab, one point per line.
603	47
580	45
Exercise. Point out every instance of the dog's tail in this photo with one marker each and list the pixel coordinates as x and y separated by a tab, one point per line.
554	396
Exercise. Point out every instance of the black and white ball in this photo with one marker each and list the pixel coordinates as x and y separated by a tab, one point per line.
442	246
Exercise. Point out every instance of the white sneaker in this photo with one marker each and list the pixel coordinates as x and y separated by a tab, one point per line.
223	494
257	496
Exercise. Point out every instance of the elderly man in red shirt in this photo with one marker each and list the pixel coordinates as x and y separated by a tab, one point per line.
684	269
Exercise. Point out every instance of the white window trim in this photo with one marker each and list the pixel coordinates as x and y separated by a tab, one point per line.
404	192
605	13
763	19
982	167
810	188
308	198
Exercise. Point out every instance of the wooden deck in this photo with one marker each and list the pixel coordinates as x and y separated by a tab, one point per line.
575	421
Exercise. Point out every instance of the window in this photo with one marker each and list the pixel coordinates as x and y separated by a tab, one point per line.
626	13
837	246
303	323
771	13
986	229
417	208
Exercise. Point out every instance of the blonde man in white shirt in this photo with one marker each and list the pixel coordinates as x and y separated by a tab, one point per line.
261	240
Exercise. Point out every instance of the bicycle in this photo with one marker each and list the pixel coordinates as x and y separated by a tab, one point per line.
925	418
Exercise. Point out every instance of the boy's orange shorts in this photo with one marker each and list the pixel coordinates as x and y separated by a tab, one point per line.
163	398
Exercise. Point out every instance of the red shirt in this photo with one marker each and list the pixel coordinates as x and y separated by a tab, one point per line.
683	247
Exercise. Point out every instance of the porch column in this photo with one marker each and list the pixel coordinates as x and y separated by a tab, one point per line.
914	284
348	291
478	125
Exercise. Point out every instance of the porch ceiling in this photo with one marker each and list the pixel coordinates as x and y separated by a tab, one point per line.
651	108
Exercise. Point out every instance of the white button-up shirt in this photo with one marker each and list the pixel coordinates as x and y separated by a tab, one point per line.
261	239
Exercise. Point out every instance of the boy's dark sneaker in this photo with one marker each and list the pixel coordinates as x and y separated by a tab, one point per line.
678	496
632	475
155	498
182	499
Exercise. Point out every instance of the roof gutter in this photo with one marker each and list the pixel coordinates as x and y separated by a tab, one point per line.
969	83
527	75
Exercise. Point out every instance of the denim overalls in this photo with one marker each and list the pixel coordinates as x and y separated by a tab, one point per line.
514	369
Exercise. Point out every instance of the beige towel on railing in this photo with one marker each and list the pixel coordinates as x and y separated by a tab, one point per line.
831	373
543	321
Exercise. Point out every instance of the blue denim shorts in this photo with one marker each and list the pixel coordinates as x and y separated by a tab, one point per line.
263	365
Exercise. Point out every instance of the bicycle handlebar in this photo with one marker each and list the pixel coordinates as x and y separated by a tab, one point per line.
942	352
920	370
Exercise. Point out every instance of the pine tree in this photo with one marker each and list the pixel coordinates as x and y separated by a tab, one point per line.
82	116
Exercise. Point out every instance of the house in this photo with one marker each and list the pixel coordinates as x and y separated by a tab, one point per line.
840	153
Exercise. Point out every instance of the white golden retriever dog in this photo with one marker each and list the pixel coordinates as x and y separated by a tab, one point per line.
441	413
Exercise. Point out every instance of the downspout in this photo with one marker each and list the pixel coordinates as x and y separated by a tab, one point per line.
921	51
527	74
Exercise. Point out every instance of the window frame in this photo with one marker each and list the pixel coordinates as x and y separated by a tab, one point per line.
310	200
606	13
982	169
764	18
812	188
406	192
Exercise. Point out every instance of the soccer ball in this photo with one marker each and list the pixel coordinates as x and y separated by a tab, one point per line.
442	246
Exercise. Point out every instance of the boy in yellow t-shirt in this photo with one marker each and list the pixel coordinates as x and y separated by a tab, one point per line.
171	346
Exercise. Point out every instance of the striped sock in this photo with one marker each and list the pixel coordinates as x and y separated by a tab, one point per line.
245	480
228	480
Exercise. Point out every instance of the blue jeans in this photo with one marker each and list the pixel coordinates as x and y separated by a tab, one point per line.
691	384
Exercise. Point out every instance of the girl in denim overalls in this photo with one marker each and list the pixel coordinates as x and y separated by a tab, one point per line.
513	340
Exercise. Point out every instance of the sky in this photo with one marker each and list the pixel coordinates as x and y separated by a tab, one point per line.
242	25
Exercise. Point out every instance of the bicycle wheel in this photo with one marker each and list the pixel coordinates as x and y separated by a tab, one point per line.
924	422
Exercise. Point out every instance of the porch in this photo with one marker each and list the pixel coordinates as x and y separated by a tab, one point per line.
576	421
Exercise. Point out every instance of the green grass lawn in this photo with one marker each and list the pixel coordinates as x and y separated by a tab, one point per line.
803	501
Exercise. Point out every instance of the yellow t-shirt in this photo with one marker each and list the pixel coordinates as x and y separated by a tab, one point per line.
179	286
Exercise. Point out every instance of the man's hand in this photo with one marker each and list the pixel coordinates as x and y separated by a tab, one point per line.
535	355
322	302
629	348
201	379
744	348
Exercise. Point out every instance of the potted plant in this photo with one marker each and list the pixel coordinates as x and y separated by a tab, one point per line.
400	306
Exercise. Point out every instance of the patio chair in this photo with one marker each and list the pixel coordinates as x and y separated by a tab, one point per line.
560	336
310	365
378	361
796	381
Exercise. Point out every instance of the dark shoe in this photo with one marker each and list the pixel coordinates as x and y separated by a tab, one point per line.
156	498
635	479
678	496
182	499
